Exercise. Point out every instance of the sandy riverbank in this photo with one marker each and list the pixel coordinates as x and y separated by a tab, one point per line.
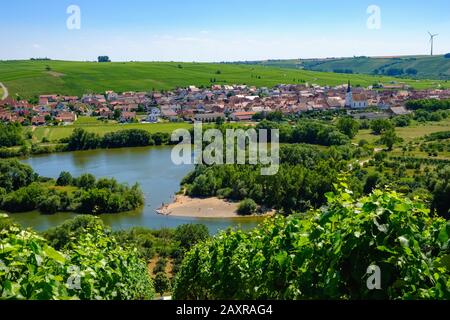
184	206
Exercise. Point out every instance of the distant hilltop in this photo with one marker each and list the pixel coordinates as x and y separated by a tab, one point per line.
415	67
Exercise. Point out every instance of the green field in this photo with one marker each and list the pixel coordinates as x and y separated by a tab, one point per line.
31	78
408	133
428	67
53	134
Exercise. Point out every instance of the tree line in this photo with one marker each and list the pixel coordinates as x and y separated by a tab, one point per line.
81	139
22	190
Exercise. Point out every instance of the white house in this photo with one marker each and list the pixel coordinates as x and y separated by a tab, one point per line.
357	101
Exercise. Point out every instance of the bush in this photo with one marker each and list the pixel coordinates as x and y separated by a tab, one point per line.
24	199
162	283
50	205
190	234
247	207
64	179
60	236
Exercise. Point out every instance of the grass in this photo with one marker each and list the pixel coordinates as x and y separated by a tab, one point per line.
408	133
419	154
436	67
56	133
31	78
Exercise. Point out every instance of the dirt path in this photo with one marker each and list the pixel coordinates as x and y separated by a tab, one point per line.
5	91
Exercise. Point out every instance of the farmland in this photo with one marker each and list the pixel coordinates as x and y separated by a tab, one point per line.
31	78
426	67
54	134
408	133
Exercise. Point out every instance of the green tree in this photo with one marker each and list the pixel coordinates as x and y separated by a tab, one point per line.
103	59
389	138
50	205
190	234
348	126
161	283
64	179
379	126
11	135
85	181
15	175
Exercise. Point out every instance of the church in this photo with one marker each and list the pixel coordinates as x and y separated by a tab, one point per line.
355	101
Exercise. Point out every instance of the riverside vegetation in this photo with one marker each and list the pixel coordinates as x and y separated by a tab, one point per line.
22	190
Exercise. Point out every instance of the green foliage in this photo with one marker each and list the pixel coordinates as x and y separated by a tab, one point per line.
326	256
247	207
11	134
127	138
50	204
348	126
15	175
304	176
61	236
428	104
189	235
91	266
162	283
310	132
439	185
21	194
102	199
83	140
25	199
379	126
389	138
64	179
103	59
402	121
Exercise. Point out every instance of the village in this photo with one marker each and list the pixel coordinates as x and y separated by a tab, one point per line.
219	102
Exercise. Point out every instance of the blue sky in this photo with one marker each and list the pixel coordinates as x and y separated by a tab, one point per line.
197	30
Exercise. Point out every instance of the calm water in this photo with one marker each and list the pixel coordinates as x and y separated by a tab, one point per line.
151	167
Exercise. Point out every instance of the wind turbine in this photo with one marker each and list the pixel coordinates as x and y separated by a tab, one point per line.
432	36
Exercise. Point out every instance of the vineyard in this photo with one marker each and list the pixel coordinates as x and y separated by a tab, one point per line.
327	254
90	265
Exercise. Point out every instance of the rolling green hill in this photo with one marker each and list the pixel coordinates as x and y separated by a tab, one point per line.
419	67
31	78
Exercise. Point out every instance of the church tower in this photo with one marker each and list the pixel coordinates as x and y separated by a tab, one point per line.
349	96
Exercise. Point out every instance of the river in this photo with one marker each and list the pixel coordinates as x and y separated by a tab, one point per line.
151	167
